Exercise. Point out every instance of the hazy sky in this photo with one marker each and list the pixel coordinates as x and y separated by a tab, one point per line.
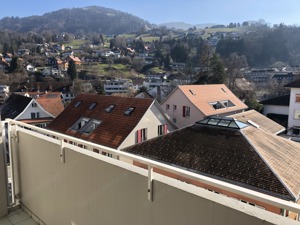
161	11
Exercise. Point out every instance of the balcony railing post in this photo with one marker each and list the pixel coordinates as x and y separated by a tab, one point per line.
150	183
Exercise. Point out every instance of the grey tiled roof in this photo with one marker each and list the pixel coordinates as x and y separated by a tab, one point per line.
239	156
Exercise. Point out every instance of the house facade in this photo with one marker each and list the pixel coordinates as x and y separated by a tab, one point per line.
190	103
25	109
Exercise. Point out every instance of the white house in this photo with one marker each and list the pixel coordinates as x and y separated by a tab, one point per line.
294	108
188	104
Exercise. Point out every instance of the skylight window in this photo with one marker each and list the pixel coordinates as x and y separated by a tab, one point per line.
129	111
223	122
110	108
92	106
77	104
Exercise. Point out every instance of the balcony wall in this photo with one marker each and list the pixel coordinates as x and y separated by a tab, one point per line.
3	182
88	188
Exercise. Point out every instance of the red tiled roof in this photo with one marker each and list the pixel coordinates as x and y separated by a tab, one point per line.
114	127
51	104
202	95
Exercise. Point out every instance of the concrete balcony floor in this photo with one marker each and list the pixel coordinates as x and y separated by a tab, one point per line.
17	216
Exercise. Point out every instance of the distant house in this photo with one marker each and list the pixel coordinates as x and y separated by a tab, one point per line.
28	110
4	65
231	151
117	86
277	109
190	103
111	121
23	52
4	93
294	108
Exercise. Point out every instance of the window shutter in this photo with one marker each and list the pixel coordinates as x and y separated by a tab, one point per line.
139	136
183	111
165	128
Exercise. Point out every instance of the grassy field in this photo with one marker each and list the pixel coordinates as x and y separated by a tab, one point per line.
76	43
115	70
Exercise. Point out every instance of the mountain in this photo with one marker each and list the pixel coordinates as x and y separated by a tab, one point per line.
92	19
186	26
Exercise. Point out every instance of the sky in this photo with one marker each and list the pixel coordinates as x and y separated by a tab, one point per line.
163	11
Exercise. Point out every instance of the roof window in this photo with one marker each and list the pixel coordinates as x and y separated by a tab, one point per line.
92	106
110	108
223	122
77	104
129	111
86	125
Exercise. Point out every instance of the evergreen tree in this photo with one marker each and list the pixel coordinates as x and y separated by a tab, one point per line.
72	72
217	71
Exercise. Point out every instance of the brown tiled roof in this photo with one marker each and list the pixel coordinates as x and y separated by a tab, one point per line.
114	127
51	104
261	120
226	154
202	95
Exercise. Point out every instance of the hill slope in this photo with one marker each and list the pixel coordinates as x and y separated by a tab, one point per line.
92	19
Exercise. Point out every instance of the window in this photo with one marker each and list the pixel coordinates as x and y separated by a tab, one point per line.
77	104
92	106
186	111
217	105
141	135
174	120
86	125
96	150
110	108
33	115
297	97
167	106
129	111
90	126
174	107
296	131
79	124
297	114
162	129
37	115
34	104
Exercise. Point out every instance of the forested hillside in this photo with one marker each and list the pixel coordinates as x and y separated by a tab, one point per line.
77	21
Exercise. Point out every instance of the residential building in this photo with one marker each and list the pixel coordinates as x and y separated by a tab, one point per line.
277	109
294	108
231	151
111	121
4	65
29	110
190	103
117	86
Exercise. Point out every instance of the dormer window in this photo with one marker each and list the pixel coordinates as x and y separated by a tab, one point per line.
92	106
77	104
129	111
80	123
90	126
86	125
110	108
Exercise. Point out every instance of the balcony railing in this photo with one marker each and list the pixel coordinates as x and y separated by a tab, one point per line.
65	141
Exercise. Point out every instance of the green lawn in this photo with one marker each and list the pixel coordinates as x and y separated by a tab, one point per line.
76	43
117	70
